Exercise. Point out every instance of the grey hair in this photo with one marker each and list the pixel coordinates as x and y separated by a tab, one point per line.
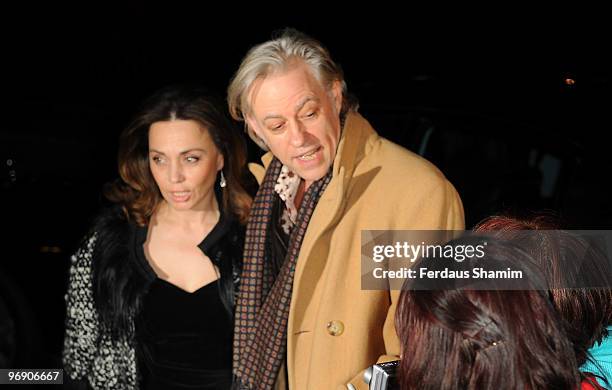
278	55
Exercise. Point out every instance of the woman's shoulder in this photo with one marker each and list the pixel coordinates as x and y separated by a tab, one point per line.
236	229
109	227
109	218
109	230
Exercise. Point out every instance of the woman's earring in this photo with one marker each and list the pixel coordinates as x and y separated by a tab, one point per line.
222	181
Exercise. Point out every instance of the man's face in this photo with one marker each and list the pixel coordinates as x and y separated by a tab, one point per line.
298	120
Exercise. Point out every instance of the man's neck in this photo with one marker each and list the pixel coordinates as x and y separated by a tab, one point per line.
299	195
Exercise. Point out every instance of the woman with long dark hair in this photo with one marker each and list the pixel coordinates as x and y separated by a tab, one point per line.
581	284
461	338
151	291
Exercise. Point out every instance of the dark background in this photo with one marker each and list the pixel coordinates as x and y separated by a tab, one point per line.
512	105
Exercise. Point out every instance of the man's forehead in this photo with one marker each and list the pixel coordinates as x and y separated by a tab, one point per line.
298	106
286	91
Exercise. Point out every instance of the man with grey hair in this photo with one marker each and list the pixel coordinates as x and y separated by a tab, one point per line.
302	320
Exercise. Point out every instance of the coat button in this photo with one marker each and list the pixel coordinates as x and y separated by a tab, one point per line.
335	328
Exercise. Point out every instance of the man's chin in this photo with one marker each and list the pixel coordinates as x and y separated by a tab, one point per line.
312	175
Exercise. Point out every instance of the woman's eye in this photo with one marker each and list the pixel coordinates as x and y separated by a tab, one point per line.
157	159
192	159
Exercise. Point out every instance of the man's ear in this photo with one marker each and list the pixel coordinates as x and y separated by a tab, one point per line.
252	123
337	95
255	132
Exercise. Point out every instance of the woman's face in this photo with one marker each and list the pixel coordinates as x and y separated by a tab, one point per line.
184	162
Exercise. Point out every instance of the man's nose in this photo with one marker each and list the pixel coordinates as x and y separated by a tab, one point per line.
298	134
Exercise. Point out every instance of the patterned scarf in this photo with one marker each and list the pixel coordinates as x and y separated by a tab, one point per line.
262	309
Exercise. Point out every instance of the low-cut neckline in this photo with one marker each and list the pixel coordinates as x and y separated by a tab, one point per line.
164	281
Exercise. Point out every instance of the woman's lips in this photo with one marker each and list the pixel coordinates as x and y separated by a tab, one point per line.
180	196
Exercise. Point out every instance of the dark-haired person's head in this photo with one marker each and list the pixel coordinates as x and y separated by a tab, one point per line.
460	338
576	269
179	148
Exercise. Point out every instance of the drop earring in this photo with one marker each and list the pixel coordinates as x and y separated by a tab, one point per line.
222	181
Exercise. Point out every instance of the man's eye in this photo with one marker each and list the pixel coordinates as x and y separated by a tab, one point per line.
310	114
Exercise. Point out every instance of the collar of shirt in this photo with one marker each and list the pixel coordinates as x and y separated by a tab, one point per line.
286	187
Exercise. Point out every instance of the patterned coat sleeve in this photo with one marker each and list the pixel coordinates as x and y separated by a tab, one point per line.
90	354
82	325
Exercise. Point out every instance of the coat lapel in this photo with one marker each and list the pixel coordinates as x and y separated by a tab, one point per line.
310	264
329	210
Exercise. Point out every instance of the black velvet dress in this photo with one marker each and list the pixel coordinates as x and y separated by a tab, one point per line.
184	340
